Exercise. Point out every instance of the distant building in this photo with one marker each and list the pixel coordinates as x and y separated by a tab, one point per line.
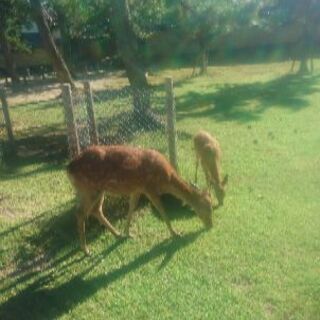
36	57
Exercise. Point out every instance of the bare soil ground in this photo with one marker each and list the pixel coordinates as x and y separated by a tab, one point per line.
45	90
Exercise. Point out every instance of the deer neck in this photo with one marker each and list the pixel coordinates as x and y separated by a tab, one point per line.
183	191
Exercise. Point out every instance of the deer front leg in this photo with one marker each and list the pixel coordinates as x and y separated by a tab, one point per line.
98	213
133	202
155	200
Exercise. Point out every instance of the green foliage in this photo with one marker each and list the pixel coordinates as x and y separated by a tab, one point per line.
83	19
302	16
14	14
210	18
288	12
147	16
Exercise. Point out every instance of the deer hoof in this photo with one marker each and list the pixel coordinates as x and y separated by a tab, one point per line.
86	251
118	235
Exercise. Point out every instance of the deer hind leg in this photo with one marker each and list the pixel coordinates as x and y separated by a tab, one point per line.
81	222
98	213
207	174
197	165
82	215
155	200
133	202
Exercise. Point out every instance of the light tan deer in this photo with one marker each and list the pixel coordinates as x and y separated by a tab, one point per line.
208	151
129	171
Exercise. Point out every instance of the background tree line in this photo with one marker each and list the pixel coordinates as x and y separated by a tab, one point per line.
141	33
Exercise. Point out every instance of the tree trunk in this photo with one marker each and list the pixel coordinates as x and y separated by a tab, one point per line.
65	40
204	62
304	56
311	64
58	63
8	58
127	45
304	65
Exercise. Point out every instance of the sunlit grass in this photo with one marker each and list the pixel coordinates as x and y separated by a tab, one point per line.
261	259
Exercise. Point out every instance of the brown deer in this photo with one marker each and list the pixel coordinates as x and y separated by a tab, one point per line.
129	171
208	151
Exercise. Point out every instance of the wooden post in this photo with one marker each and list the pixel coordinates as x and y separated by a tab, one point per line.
74	146
91	119
171	123
6	115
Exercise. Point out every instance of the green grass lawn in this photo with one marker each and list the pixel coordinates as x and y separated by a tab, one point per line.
260	261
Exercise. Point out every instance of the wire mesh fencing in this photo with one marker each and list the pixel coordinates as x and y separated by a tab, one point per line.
121	116
143	118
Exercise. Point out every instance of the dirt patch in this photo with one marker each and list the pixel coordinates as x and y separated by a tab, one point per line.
41	91
36	264
34	94
46	90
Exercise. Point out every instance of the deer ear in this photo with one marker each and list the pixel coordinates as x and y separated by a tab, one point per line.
225	180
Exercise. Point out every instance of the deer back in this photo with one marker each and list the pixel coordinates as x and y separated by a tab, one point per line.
207	148
120	169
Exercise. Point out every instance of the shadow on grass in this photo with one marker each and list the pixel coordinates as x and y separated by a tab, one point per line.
55	231
45	147
117	208
232	101
39	300
51	104
34	86
53	240
175	208
52	231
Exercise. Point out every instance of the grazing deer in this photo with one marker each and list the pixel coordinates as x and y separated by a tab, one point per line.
129	171
208	151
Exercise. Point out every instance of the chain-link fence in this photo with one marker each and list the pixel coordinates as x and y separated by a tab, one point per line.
111	117
105	116
119	116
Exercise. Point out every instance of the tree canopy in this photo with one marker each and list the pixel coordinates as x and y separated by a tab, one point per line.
161	29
